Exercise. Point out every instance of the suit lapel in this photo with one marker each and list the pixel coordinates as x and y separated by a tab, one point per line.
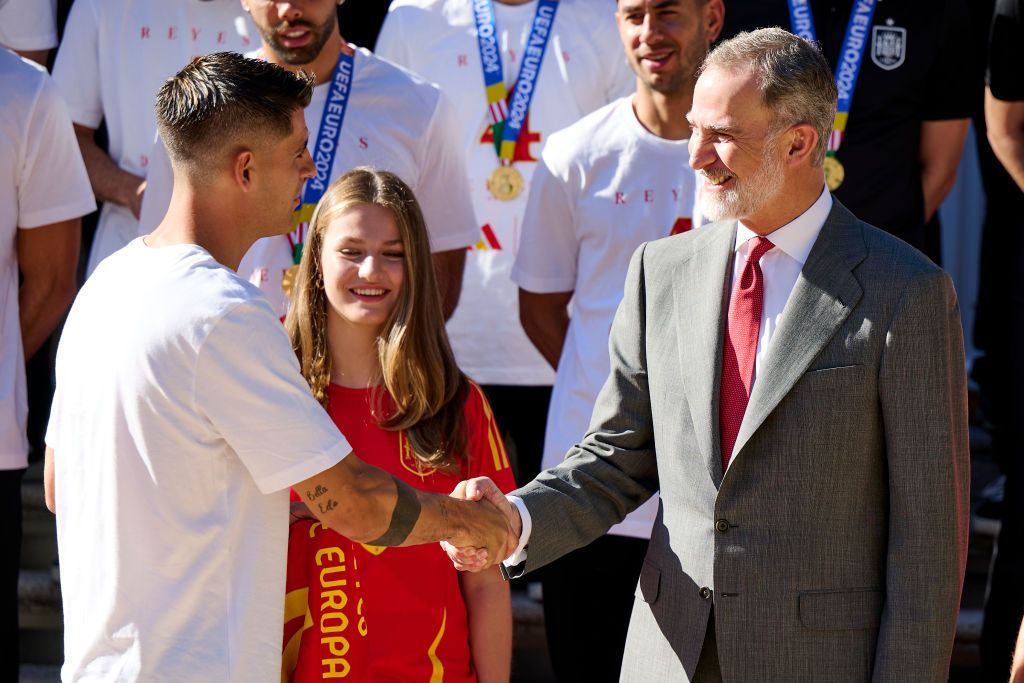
824	295
699	292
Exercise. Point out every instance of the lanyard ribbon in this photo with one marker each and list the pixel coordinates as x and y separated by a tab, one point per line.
507	119
850	57
326	149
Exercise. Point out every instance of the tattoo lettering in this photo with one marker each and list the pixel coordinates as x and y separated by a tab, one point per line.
328	506
316	493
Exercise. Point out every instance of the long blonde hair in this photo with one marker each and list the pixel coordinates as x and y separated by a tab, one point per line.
428	391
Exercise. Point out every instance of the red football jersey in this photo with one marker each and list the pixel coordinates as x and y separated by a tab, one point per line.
404	616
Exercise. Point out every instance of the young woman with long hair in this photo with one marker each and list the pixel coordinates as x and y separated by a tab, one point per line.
367	326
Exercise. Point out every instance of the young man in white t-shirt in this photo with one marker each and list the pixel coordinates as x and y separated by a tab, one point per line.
392	121
113	57
43	193
615	179
29	27
578	73
181	419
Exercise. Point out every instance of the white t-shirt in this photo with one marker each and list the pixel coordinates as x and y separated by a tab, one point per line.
28	24
114	57
42	181
604	186
584	68
179	422
394	122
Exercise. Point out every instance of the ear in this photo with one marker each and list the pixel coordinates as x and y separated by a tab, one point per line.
242	168
803	138
714	19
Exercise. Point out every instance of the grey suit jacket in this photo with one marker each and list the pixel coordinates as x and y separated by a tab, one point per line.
833	548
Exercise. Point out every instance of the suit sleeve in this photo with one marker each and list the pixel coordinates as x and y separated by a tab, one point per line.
613	470
923	392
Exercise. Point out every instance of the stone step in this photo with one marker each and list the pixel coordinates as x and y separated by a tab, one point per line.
39	673
39	601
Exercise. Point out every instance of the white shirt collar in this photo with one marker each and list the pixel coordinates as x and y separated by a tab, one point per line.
798	236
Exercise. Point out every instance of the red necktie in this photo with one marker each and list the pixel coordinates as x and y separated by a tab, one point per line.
741	335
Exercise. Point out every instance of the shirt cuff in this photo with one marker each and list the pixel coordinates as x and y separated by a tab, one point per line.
518	556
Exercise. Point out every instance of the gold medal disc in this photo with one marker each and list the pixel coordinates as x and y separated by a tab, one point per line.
834	173
505	183
288	280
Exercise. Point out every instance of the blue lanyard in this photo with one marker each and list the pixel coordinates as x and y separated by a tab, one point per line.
512	120
325	151
331	120
854	44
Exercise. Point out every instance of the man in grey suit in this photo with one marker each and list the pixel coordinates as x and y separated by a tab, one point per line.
792	381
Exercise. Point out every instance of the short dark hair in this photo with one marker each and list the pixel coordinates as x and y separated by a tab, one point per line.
223	97
796	83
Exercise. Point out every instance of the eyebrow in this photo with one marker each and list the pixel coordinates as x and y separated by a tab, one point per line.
725	128
305	143
359	240
633	7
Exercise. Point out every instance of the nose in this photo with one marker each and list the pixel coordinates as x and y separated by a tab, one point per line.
368	267
650	30
289	11
308	167
702	154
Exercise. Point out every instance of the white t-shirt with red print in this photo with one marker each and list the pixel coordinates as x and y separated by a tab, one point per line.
604	186
394	122
114	57
584	68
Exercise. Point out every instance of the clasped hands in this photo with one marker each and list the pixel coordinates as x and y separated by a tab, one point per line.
485	541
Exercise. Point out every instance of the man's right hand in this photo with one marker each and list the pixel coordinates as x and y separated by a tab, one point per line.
474	557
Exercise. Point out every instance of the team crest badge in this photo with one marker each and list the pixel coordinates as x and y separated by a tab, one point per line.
888	46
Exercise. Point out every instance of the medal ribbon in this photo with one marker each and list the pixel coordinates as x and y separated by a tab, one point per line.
326	149
507	120
850	57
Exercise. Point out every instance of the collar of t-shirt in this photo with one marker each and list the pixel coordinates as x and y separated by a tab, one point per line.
781	265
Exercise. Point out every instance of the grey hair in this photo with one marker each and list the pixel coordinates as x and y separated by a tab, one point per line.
797	86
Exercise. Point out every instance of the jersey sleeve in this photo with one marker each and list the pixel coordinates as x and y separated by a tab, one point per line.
76	72
159	184
548	247
28	24
391	43
249	387
443	187
951	81
1005	76
53	185
484	446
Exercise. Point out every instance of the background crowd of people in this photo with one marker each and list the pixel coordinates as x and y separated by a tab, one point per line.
540	161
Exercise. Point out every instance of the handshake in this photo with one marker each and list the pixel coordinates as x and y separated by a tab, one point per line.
488	531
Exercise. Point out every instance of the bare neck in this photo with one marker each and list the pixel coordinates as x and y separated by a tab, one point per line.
795	198
354	360
196	217
663	114
322	66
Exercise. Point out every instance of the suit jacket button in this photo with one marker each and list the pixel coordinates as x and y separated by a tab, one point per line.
722	525
705	593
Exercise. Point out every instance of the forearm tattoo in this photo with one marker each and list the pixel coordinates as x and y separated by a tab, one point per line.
403	517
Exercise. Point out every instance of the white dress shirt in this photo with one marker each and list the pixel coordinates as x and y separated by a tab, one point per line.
781	266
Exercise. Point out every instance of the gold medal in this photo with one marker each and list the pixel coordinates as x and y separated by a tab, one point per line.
834	173
505	183
289	279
